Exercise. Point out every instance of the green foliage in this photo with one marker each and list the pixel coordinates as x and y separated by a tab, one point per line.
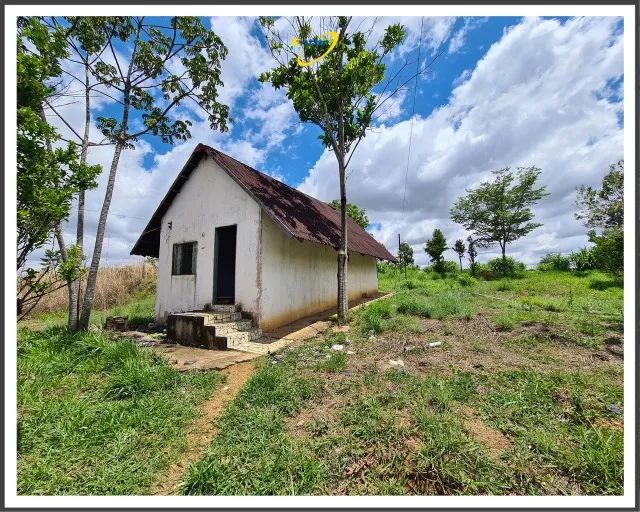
335	93
499	211
466	280
472	253
48	176
107	412
554	261
412	304
355	212
451	303
603	213
435	247
447	267
506	266
603	208
460	249
186	38
608	252
372	317
505	285
405	255
583	259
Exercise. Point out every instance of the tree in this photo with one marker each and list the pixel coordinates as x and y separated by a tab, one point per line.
355	212
472	253
435	247
86	42
459	248
330	79
48	177
168	64
405	255
603	213
499	211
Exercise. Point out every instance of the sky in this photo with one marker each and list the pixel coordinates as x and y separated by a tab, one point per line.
500	92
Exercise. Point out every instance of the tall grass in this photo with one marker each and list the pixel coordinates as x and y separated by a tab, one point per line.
97	416
115	285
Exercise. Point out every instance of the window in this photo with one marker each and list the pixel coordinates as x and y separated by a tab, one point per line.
184	259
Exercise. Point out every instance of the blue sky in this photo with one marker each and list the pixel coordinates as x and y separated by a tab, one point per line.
504	92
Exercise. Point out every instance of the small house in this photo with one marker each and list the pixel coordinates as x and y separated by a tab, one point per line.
226	234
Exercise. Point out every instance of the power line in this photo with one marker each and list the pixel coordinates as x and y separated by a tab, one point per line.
413	112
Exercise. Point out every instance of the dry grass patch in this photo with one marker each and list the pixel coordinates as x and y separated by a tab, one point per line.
115	285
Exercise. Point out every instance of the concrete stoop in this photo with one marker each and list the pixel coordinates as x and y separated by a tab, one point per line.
221	327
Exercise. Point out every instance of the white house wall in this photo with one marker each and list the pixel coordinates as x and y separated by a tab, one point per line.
299	278
210	198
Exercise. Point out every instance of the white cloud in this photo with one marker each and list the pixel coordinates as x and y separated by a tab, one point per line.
458	39
530	100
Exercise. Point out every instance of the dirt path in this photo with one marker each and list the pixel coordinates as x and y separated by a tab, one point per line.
202	430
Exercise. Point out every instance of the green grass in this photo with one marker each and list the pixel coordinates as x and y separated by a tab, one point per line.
252	455
371	431
292	431
98	417
505	321
140	310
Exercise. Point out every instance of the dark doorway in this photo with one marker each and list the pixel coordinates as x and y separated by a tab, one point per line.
224	280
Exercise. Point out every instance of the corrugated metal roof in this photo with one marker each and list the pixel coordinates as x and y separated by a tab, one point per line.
298	214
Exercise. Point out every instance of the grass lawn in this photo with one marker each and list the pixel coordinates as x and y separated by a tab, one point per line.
523	396
96	416
140	311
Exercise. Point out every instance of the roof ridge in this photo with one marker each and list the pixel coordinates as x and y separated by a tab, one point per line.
267	175
297	213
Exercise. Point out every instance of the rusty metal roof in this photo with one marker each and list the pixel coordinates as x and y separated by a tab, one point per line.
298	214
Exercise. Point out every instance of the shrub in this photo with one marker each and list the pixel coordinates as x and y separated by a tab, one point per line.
412	305
483	271
450	304
466	280
609	250
504	285
506	266
584	259
554	261
372	317
446	267
384	267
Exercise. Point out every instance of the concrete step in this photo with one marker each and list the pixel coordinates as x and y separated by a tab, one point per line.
242	336
224	308
224	328
218	318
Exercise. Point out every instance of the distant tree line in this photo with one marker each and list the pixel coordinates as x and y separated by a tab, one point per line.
499	212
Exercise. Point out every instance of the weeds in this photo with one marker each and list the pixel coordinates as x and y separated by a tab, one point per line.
108	413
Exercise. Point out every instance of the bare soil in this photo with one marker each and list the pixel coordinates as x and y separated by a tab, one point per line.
476	344
494	440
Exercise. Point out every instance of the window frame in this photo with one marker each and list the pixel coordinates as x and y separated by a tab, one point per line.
178	263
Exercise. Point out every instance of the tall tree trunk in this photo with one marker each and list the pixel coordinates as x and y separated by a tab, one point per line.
460	258
343	296
87	303
72	321
75	285
72	317
503	246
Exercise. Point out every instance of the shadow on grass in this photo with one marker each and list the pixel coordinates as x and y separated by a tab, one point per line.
605	284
